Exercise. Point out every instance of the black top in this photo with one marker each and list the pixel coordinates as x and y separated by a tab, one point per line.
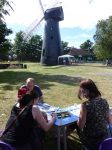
21	130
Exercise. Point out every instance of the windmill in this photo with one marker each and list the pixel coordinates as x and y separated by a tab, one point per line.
51	47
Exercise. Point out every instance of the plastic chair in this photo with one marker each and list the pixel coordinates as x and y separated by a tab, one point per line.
106	144
5	146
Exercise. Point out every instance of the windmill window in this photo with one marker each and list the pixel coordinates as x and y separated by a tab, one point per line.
51	37
43	52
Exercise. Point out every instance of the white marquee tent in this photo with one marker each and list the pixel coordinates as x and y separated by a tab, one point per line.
65	59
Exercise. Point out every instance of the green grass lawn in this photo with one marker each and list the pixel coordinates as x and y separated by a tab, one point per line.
59	84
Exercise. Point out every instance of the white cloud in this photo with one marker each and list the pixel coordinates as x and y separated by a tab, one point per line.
83	14
77	13
25	12
83	35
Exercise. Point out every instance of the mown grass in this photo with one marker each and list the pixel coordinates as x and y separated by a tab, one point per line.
59	84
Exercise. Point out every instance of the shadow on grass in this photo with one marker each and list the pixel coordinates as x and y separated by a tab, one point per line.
51	141
45	81
73	144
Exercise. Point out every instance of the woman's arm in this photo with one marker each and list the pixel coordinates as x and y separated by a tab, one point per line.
82	117
109	117
38	116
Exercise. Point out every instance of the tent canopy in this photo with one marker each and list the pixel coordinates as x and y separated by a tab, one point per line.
68	56
65	59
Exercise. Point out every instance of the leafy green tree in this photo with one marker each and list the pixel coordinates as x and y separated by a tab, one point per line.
5	44
27	50
103	39
88	45
64	47
35	48
20	46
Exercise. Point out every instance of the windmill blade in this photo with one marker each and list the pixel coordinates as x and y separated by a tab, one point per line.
41	6
32	28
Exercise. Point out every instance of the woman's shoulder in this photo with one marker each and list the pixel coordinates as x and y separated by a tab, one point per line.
35	107
103	100
101	103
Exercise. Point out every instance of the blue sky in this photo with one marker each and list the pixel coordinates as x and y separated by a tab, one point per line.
80	17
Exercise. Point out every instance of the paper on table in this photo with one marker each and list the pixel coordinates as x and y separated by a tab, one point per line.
73	110
47	108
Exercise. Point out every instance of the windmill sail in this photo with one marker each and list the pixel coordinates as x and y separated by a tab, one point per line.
41	6
32	28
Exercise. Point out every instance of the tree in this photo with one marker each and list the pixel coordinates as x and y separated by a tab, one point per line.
5	44
88	45
20	46
27	50
35	48
64	47
103	39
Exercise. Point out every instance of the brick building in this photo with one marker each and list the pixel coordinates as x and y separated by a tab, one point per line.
82	54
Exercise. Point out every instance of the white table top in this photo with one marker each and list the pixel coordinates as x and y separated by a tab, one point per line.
73	111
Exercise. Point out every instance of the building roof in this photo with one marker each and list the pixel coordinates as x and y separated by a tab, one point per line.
83	52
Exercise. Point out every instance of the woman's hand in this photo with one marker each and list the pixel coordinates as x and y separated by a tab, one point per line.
53	115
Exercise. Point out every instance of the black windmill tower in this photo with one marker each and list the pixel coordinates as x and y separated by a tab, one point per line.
51	47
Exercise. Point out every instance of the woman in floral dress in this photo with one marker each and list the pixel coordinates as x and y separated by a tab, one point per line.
94	115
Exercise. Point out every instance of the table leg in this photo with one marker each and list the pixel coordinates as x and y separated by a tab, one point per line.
58	138
65	138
